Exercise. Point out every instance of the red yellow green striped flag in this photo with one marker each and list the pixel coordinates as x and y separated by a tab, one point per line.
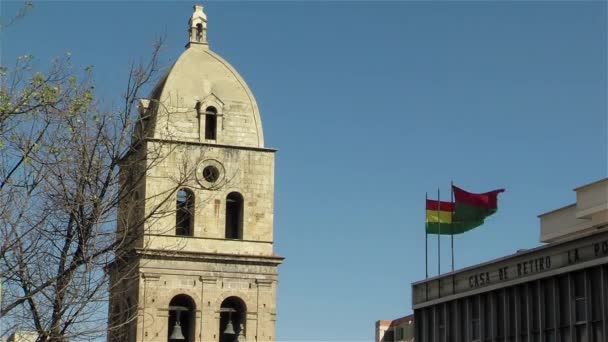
438	217
468	211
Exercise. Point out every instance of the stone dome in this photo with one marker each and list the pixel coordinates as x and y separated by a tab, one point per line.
201	83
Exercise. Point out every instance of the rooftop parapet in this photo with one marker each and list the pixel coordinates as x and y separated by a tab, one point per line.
587	215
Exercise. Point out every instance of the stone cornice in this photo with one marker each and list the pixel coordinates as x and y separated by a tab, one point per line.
266	260
198	143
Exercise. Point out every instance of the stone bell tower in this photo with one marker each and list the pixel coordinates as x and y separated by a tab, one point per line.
196	259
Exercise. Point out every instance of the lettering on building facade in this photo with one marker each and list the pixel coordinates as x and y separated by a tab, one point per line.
518	267
600	248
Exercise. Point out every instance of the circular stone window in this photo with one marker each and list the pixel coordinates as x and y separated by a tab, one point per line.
210	174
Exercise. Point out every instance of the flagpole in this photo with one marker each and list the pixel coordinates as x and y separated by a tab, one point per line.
426	239
426	248
453	226
439	234
452	235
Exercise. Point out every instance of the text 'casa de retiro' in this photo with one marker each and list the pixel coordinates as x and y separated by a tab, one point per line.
204	270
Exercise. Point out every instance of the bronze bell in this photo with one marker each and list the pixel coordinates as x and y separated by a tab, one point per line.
177	335
229	328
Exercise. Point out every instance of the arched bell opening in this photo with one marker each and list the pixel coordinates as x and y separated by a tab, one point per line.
233	320
234	216
211	123
182	311
184	212
199	32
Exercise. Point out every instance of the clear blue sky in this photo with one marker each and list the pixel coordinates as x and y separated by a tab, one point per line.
371	105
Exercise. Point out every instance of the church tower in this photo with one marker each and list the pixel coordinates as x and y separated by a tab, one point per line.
196	259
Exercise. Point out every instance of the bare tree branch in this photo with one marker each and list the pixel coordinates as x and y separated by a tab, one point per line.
64	161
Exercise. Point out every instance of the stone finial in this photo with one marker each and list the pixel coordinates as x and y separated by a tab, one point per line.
198	26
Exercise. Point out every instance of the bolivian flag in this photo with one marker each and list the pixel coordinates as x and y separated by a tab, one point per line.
468	211
439	217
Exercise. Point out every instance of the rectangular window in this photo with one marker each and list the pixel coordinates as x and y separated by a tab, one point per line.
430	326
579	297
500	315
447	312
399	334
536	337
596	300
487	317
453	321
441	322
605	287
563	294
418	317
548	309
448	321
548	304
598	334
565	335
534	307
463	319
549	336
474	310
523	311
510	300
533	296
581	333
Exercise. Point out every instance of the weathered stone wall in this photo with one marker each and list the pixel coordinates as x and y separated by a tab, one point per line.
249	172
123	302
131	213
200	78
208	284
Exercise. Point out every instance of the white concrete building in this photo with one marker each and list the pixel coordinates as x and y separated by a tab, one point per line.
555	292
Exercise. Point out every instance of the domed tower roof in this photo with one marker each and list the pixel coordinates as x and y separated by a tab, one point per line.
201	84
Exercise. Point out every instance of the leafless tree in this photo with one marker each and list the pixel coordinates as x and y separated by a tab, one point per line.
61	186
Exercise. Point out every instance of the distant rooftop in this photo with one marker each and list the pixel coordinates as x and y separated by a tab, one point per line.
409	319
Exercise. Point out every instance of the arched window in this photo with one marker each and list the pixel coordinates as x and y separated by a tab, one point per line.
234	216
182	311
199	32
210	123
233	320
184	212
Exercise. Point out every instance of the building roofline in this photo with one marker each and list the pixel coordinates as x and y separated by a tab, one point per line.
599	230
590	184
396	321
556	210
